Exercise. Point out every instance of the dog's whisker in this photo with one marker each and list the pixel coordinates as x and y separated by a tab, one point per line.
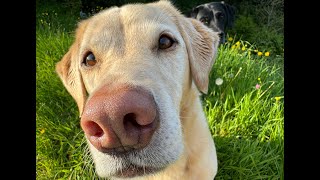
87	159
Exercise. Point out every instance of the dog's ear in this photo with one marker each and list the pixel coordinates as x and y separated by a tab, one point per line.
194	12
68	70
202	44
230	15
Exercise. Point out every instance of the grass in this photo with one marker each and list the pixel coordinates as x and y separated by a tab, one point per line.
246	123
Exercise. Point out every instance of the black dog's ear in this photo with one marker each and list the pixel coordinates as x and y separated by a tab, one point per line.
231	15
194	12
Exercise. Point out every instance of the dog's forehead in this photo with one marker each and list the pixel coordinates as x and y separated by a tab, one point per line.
205	11
127	16
118	25
215	6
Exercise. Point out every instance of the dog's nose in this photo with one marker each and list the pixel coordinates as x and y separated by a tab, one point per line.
119	120
221	34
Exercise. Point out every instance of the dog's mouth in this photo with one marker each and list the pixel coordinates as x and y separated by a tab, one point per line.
134	170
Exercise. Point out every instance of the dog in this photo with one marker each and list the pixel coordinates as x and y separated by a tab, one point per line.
137	73
89	7
219	16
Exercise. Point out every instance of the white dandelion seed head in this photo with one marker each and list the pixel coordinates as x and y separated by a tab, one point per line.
219	81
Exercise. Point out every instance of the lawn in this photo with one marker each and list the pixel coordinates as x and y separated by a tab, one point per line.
244	107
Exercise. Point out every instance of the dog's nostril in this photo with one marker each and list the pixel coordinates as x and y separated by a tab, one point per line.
129	120
132	125
93	129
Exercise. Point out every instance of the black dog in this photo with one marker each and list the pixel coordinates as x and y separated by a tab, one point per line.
91	7
218	16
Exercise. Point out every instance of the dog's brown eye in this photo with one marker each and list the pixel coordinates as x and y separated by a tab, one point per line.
165	42
205	20
90	60
219	15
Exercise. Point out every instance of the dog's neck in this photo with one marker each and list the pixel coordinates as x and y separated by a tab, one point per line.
199	144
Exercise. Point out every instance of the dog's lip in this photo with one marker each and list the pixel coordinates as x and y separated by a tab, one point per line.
134	171
119	151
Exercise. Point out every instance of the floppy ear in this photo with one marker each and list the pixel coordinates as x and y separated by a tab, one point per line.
202	44
231	15
195	11
69	73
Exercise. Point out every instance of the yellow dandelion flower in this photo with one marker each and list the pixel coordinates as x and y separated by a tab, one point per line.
277	98
259	53
243	48
259	79
230	39
267	53
42	131
233	46
238	43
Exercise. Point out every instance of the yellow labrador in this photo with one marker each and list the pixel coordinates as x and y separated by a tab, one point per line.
136	73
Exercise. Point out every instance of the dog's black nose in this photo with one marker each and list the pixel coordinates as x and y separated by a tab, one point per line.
221	34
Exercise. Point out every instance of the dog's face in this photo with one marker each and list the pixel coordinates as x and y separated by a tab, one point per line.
216	15
128	70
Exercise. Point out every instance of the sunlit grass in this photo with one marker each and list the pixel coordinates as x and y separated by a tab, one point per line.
246	114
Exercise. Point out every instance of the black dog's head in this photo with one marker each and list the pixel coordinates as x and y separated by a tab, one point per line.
218	16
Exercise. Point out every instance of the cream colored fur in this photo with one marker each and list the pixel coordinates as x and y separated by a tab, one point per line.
124	41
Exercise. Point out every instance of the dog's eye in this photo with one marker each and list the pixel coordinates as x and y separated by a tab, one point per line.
219	15
165	41
90	59
204	20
